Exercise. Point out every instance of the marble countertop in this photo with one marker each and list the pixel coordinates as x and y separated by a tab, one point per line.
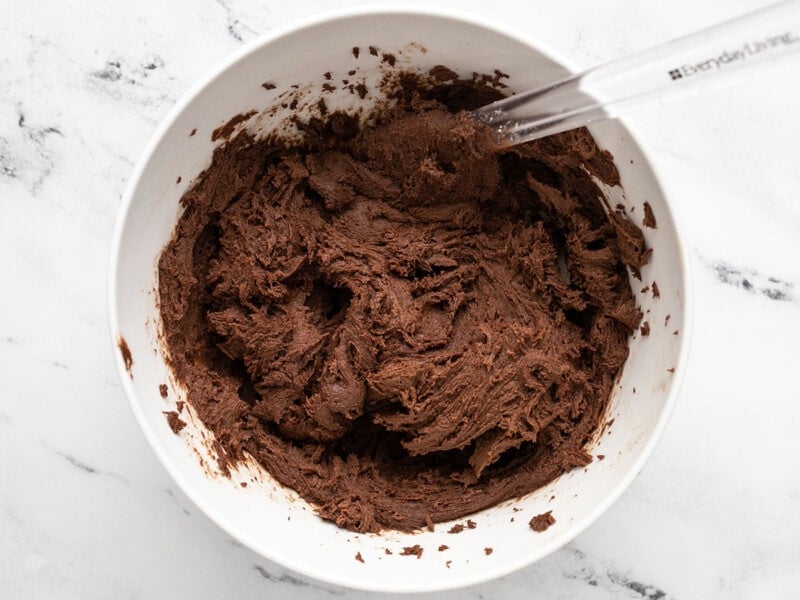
87	511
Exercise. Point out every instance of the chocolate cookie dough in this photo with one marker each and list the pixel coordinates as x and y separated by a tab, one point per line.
396	323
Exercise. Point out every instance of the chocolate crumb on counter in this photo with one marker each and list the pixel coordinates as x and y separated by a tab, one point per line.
448	563
268	86
487	551
373	50
471	524
443	547
541	522
388	58
163	390
359	558
601	456
356	51
415	550
457	528
645	328
387	551
192	132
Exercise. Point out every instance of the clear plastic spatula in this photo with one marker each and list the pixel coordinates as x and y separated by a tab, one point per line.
726	53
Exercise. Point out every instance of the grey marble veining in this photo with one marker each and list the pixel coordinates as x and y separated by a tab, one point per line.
86	511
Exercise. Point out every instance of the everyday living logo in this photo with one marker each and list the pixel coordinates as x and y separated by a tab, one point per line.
733	56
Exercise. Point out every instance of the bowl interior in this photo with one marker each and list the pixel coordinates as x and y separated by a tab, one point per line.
274	521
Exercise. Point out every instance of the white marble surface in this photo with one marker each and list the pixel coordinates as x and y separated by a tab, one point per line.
86	510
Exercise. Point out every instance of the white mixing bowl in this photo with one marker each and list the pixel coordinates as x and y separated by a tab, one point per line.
272	520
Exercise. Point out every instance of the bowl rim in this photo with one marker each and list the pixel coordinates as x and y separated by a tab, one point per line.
446	583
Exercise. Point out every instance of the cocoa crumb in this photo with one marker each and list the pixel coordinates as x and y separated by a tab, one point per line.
443	547
174	421
543	521
649	219
415	550
359	558
163	390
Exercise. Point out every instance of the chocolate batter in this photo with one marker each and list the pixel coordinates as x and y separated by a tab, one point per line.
398	324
